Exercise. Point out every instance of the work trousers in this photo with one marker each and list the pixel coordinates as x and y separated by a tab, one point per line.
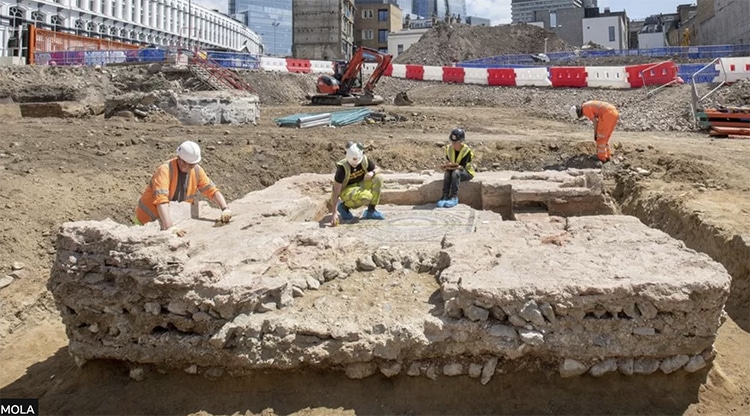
604	128
366	192
451	180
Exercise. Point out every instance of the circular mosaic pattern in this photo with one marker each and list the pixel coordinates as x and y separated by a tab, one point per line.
412	225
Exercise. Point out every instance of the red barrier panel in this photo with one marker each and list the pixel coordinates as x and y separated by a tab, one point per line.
453	74
414	72
501	76
651	74
301	66
568	76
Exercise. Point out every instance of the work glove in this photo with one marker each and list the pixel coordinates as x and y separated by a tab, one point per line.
179	232
226	215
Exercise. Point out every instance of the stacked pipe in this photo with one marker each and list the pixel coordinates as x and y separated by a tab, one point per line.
314	120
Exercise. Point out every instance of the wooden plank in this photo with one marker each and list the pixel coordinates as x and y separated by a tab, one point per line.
711	115
729	109
734	131
715	123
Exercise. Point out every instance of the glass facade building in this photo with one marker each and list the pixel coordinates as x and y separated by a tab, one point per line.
426	8
271	19
405	6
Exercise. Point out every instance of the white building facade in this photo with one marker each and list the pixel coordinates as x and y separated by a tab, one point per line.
608	31
399	42
152	22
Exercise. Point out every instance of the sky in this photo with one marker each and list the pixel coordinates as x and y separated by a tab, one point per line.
498	11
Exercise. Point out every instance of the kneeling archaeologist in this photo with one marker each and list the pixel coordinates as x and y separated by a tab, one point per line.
178	180
357	181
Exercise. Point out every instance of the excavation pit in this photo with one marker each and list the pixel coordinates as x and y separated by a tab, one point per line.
426	292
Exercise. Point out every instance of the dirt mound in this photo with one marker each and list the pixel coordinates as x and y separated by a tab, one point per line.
26	84
446	43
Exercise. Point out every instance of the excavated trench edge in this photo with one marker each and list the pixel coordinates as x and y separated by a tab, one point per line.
672	216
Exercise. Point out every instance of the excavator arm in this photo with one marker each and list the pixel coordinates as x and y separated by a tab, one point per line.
351	74
384	61
340	88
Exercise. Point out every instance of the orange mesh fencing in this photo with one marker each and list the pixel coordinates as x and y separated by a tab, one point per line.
43	40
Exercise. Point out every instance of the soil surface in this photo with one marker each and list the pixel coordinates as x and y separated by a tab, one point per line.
56	170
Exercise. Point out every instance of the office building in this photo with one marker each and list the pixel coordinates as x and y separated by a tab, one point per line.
439	8
374	21
175	23
323	29
522	11
271	19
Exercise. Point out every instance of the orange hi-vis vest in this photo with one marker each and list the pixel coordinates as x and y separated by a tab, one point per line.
163	186
594	110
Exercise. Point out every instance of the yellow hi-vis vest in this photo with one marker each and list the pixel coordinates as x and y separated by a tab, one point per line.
348	169
456	157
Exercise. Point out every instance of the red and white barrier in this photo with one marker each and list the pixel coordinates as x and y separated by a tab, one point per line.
476	76
568	76
396	71
607	77
632	76
454	74
273	64
733	69
299	66
432	73
533	77
661	73
321	67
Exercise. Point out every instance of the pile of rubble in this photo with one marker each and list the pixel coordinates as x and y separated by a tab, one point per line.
735	95
666	110
446	43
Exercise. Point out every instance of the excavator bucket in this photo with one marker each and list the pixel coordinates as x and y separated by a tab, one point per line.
402	99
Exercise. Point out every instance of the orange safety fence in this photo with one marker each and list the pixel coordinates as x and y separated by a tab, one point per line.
43	40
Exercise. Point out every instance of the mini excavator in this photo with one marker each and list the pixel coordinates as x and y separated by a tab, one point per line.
344	86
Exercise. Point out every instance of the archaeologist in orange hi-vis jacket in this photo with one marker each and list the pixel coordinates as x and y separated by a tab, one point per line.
178	180
605	116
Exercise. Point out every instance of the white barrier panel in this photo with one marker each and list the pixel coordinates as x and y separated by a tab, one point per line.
321	67
273	64
607	77
432	73
475	76
733	69
399	71
537	77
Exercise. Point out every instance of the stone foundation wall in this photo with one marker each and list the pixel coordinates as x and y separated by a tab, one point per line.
275	290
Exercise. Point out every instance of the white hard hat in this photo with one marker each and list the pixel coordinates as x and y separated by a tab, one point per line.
573	110
189	152
354	154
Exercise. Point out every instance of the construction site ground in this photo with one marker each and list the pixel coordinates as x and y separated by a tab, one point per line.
693	187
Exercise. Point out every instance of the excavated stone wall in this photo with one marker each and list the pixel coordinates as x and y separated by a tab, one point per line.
211	107
430	292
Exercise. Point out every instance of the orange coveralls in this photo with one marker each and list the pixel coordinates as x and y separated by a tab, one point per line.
605	116
163	185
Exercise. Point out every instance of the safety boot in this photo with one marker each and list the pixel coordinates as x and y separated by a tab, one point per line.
344	212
